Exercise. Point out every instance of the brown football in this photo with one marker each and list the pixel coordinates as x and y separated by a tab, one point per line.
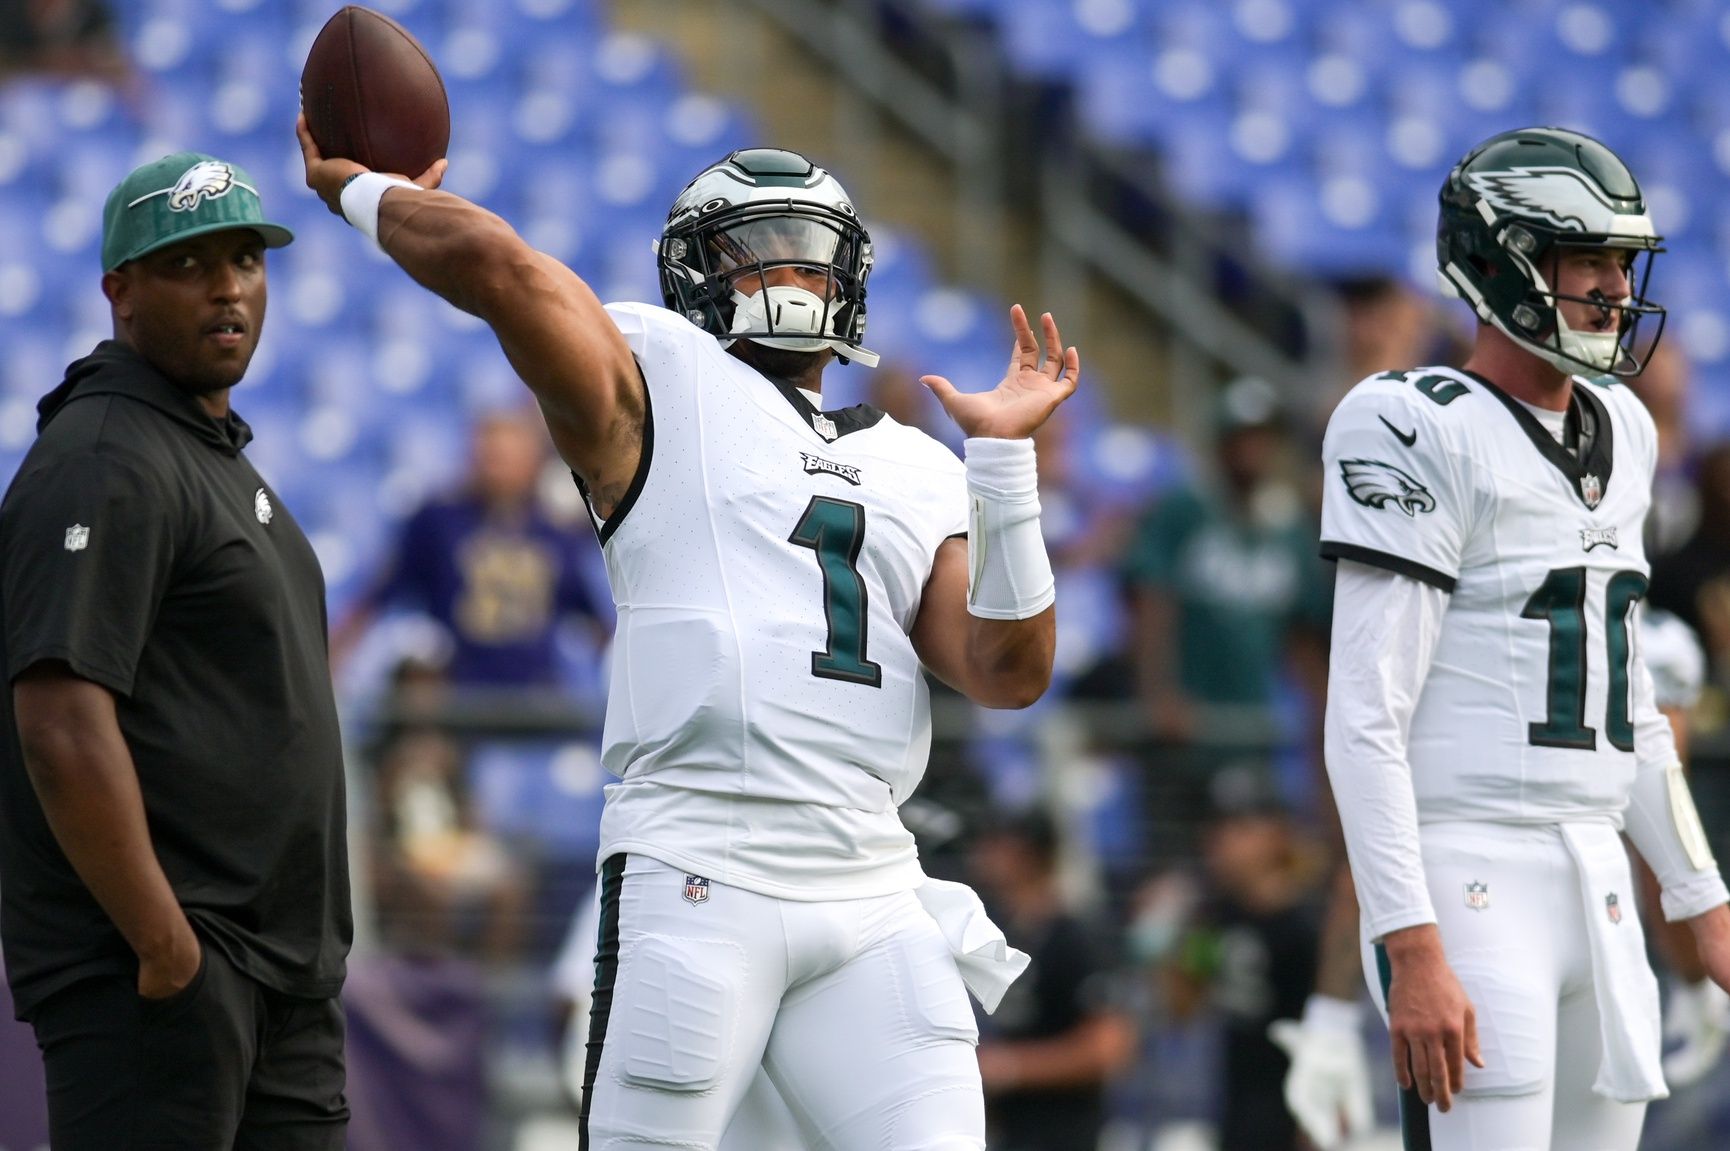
372	94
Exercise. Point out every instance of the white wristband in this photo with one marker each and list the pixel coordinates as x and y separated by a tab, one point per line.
360	200
1008	573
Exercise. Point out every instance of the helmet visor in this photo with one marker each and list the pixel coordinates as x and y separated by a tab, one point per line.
753	247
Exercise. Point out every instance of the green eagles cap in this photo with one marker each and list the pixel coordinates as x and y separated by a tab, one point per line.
178	197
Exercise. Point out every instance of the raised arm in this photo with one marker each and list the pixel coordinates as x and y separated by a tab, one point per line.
986	623
550	324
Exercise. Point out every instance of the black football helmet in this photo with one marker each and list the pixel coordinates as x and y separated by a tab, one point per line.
1512	207
757	209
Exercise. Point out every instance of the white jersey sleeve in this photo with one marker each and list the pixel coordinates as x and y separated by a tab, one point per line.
1395	493
1385	630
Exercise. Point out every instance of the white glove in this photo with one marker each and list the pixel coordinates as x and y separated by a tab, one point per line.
1328	1086
1698	1016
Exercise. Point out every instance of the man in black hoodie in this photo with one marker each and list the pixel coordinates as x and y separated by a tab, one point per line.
173	878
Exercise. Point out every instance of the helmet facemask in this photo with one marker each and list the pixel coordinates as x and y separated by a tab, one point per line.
726	267
1615	345
805	316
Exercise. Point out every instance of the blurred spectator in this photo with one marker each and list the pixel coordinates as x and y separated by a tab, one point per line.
490	566
1693	582
60	37
1664	388
1388	326
1048	1052
1172	1092
1085	534
442	884
1252	949
1230	598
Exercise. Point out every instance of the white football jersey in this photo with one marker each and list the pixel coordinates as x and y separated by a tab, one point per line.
767	712
1527	713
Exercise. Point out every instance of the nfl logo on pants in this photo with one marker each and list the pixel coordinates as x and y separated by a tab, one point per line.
1613	907
696	889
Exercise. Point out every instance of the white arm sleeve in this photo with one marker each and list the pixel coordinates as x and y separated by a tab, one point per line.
1385	630
1661	819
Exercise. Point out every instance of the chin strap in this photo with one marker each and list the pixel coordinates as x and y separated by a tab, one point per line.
796	317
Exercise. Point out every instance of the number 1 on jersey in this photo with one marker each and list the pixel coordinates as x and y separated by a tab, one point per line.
835	530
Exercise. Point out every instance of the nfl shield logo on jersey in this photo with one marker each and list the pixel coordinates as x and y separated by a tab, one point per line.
1591	489
1613	907
77	538
1478	896
824	426
696	889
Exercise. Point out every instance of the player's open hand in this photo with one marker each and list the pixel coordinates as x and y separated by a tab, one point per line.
1430	1020
327	175
1030	391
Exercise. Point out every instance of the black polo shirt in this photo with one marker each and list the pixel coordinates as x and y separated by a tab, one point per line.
139	547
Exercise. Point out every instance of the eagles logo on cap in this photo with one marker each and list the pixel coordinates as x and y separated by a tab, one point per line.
177	197
210	178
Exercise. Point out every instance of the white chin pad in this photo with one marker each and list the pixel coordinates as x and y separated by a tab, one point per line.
1600	349
793	314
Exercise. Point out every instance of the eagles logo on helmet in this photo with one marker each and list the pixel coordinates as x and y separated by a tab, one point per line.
1511	208
755	210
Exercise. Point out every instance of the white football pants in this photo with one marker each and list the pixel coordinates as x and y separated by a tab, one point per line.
1519	947
854	1008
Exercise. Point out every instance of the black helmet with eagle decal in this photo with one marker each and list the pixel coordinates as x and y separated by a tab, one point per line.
752	211
1512	207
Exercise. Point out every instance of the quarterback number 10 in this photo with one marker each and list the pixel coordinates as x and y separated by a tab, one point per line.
835	530
1561	599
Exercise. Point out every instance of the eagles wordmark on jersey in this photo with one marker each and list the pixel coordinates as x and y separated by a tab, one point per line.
1527	712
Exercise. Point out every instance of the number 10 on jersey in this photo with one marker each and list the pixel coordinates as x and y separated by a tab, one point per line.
1561	600
835	530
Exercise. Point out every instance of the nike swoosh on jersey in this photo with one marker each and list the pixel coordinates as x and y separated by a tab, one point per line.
1406	438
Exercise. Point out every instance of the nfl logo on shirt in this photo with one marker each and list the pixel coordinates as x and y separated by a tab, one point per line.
696	889
77	538
1613	907
1478	896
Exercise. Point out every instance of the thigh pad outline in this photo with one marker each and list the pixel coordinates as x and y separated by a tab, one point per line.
675	1011
1516	1026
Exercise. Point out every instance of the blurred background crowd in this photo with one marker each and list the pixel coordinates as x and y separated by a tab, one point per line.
1230	206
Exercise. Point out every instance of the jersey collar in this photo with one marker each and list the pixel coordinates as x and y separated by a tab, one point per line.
831	425
1588	473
